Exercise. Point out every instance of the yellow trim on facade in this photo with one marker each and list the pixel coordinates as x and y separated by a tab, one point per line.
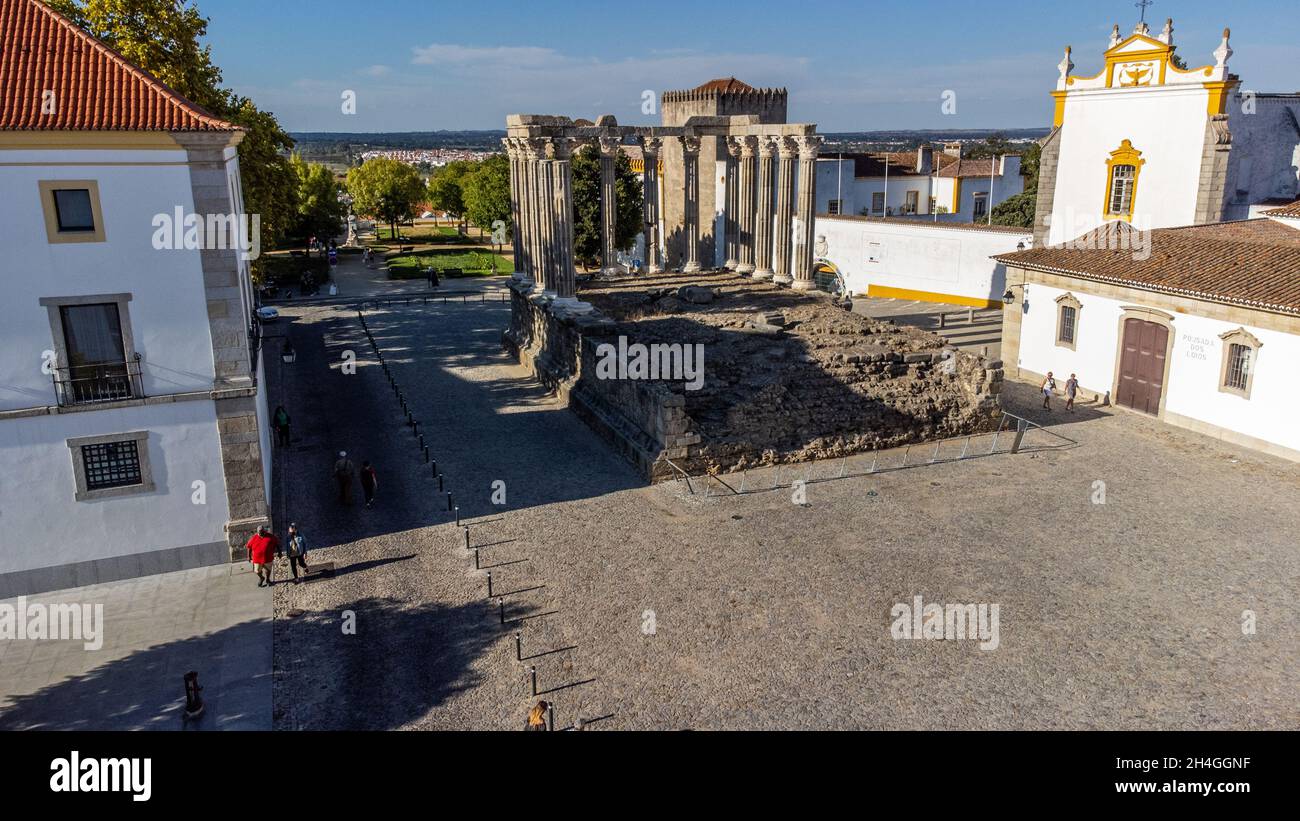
1218	96
887	292
1126	154
956	195
1058	116
62	140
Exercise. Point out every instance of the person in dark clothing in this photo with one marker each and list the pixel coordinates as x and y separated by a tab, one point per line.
296	548
537	717
343	474
369	481
281	424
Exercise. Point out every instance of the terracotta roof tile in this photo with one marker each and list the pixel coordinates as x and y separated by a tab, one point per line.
968	168
725	85
1253	263
1291	211
95	88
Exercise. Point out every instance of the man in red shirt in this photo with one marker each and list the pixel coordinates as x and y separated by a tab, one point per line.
261	552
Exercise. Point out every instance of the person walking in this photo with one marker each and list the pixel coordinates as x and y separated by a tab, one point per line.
280	421
1049	385
433	277
262	549
344	472
1071	390
369	481
537	717
296	549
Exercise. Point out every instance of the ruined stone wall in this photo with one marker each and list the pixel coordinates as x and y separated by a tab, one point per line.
787	377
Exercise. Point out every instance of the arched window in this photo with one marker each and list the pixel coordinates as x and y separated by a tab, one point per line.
1240	350
1123	168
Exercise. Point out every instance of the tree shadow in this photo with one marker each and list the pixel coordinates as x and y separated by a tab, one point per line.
404	661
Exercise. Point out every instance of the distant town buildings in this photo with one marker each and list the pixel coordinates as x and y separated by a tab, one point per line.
435	157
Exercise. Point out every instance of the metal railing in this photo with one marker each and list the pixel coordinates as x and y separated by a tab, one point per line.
97	384
1008	438
445	299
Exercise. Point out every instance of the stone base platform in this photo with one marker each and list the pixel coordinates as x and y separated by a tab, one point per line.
787	376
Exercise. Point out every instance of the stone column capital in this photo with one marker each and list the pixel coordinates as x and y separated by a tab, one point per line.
691	145
650	145
610	146
748	146
768	145
787	147
562	148
534	148
735	146
809	145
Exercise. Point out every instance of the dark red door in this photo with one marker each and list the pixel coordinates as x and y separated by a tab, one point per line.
1142	365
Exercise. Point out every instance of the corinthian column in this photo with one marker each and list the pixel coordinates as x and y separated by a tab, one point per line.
748	175
609	148
513	156
542	219
730	221
763	210
805	218
781	240
566	286
691	156
650	207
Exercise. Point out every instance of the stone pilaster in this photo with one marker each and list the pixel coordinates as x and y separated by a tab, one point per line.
730	220
748	177
566	287
650	189
763	209
542	219
609	148
805	230
229	322
691	157
782	233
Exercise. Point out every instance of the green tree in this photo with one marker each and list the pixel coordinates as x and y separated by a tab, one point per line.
586	205
1017	211
164	38
486	193
446	187
386	189
320	214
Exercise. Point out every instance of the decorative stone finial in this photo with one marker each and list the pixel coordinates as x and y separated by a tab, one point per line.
1066	66
1142	28
1114	36
1167	36
1223	52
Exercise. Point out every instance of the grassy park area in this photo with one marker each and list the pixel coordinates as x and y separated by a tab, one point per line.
472	263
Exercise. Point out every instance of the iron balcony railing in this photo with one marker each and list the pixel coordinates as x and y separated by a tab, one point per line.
96	384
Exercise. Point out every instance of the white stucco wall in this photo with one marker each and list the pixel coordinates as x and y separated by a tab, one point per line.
41	524
1167	124
1192	388
168	309
919	256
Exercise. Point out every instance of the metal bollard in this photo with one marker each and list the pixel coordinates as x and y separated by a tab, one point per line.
476	564
426	454
467	538
489	577
519	646
501	605
533	672
448	493
441	489
457	515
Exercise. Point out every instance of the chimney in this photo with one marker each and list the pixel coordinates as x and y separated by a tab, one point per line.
924	159
952	149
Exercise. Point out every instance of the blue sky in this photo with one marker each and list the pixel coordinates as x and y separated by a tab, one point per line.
849	66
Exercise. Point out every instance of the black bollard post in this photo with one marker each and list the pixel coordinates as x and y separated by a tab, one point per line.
433	470
476	566
421	435
533	672
426	454
448	492
467	538
519	646
457	515
501	604
489	575
550	716
440	490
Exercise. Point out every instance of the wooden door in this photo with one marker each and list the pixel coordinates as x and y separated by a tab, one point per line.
1142	366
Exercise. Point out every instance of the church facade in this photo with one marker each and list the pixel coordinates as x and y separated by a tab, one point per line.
1158	276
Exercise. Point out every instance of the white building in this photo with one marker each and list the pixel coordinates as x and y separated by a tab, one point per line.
132	419
1198	321
939	186
944	262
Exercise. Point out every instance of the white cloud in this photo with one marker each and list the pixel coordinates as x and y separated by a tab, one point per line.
376	71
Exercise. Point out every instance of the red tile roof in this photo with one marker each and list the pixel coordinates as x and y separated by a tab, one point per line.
1291	211
725	85
95	88
1252	263
969	168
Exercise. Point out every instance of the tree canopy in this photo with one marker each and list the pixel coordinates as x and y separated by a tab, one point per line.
387	189
320	214
586	205
446	187
486	192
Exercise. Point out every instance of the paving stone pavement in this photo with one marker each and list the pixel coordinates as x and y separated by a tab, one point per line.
214	620
651	609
